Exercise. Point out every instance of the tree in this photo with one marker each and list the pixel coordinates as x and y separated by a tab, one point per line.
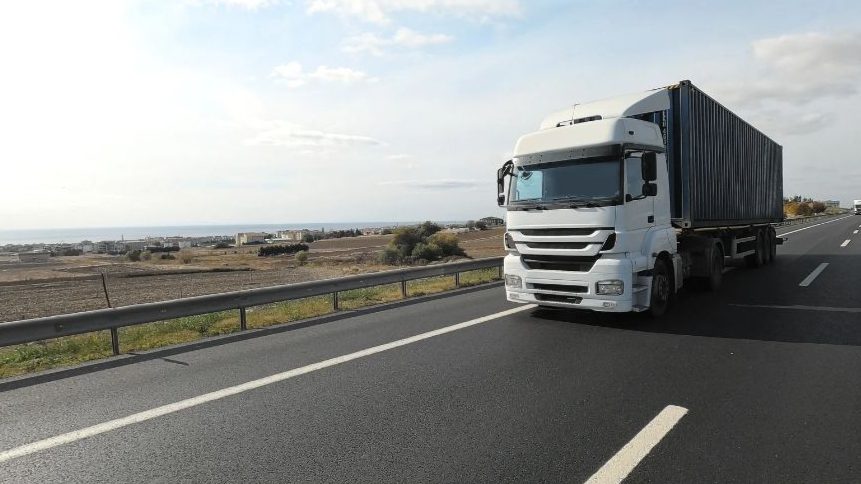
481	225
818	207
134	255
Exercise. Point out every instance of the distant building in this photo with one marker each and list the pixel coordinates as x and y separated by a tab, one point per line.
35	256
293	235
832	203
492	221
9	257
372	231
130	245
244	238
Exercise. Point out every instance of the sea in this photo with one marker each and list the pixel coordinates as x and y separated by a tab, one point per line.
95	234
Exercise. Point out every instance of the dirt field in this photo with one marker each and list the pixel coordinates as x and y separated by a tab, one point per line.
71	284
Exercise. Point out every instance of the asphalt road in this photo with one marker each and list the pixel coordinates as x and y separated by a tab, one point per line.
769	372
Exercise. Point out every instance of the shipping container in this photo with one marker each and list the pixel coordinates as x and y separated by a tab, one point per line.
723	171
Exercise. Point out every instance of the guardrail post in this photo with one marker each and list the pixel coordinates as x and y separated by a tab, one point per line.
115	341
243	322
335	301
404	289
457	279
500	271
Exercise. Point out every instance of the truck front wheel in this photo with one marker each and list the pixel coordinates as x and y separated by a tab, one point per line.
661	289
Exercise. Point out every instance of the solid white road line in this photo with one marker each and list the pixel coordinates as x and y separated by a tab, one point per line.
803	308
854	232
845	243
617	468
817	225
226	392
813	275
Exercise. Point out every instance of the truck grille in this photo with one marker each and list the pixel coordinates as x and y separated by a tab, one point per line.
557	245
561	232
559	298
559	263
559	287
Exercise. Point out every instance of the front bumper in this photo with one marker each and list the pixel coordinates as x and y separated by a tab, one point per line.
570	289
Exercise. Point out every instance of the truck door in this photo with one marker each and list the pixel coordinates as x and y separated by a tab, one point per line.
639	213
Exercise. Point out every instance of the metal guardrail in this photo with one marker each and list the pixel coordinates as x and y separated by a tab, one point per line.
36	329
801	220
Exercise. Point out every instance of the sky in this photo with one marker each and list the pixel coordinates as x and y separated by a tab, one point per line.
130	113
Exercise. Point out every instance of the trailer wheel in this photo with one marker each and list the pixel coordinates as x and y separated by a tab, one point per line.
661	290
758	257
766	253
772	244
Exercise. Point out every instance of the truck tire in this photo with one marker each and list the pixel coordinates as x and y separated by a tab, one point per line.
757	258
772	244
662	284
713	281
766	254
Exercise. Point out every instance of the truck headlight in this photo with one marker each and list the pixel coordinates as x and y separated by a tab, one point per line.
510	246
612	287
513	281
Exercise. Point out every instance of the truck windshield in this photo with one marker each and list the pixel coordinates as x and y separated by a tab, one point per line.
592	181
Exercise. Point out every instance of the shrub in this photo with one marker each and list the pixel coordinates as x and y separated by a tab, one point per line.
422	243
302	257
427	252
447	243
146	255
186	257
390	255
163	249
270	250
221	245
167	256
134	255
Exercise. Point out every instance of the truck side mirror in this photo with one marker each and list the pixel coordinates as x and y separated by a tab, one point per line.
650	189
650	166
500	181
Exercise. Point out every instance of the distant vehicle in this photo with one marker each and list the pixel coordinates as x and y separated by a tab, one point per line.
857	205
614	204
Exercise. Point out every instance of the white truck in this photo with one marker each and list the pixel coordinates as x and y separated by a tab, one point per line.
614	205
856	204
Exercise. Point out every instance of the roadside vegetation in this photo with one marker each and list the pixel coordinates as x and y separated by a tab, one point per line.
799	206
43	355
421	244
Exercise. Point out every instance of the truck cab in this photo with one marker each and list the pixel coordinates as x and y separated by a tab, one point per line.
588	208
856	204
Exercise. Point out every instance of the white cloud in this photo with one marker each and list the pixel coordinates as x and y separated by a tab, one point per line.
379	11
435	184
403	37
246	4
287	135
799	69
293	75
